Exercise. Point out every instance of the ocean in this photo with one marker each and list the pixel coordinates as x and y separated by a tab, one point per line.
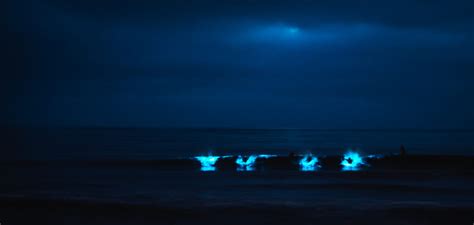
152	143
116	176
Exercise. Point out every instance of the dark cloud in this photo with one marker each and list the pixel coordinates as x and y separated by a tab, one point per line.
397	13
240	63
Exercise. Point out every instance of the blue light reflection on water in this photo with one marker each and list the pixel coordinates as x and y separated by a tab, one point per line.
266	156
352	161
248	165
308	163
375	156
207	162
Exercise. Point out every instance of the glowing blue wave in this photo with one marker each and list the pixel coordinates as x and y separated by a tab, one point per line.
265	156
352	161
376	156
308	163
207	162
248	165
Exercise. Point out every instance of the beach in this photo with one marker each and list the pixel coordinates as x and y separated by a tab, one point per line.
416	188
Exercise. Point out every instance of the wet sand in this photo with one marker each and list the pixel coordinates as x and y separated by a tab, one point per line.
20	211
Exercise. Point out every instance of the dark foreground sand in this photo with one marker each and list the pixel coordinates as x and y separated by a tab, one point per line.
21	211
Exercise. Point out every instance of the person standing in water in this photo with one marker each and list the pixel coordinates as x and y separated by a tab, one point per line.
403	151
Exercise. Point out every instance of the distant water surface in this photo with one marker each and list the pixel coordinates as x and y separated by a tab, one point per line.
154	143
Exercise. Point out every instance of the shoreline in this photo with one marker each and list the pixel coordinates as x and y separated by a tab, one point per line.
41	211
327	163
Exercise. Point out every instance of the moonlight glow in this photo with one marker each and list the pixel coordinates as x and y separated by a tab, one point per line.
293	30
275	33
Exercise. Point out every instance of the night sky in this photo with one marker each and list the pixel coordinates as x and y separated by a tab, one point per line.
245	64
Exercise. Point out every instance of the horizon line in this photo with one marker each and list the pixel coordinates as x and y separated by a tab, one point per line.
229	128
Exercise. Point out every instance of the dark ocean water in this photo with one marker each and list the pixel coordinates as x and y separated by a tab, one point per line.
135	184
149	143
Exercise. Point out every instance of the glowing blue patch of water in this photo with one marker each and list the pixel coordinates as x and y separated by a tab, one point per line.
352	161
375	156
207	162
308	163
266	156
247	165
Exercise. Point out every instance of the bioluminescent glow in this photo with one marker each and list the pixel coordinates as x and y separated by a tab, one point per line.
207	162
308	163
265	156
352	161
376	156
247	165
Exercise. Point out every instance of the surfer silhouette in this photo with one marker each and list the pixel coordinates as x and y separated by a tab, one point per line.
349	160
